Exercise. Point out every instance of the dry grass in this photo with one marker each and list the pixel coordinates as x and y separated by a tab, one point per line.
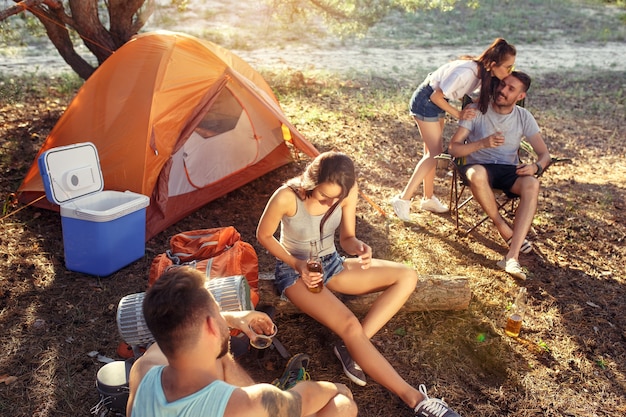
569	361
560	366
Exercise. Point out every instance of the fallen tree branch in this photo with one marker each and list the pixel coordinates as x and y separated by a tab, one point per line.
432	292
19	7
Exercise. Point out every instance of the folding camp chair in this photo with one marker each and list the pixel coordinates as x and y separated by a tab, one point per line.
460	183
505	203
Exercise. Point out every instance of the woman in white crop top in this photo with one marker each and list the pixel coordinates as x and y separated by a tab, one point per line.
429	105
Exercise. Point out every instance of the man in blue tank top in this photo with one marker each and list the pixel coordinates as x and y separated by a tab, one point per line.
490	143
189	371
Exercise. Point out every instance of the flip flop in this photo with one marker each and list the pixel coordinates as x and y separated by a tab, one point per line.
527	247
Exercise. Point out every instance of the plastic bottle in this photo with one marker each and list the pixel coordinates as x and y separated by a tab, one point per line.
516	314
314	264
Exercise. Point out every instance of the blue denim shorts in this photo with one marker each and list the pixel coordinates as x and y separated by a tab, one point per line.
285	276
422	108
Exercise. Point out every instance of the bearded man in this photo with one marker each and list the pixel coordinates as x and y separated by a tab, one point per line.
190	372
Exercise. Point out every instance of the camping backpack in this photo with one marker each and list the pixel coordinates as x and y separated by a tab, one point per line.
218	252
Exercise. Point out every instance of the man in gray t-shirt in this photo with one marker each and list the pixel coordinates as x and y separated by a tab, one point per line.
490	143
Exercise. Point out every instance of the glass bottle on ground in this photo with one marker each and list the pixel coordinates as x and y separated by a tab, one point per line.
516	314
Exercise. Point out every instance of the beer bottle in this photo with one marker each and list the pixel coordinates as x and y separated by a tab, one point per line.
314	264
516	314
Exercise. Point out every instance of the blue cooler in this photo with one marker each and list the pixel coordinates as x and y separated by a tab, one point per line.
103	231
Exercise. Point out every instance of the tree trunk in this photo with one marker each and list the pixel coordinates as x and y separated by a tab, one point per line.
432	292
126	17
59	36
86	22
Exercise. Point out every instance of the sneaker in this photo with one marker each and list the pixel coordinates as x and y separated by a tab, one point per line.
527	246
434	205
401	207
295	371
350	367
512	267
432	407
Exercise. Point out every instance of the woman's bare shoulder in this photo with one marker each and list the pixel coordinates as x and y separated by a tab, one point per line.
284	198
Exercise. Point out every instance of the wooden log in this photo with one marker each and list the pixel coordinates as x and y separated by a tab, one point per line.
432	292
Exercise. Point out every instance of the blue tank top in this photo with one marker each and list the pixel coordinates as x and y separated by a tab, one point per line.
297	231
150	399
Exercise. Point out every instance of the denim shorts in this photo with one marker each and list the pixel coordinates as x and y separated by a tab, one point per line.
501	176
422	108
285	276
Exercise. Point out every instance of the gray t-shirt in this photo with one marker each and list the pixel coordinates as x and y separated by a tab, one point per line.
516	125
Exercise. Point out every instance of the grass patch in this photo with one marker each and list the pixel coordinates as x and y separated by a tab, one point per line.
17	89
516	21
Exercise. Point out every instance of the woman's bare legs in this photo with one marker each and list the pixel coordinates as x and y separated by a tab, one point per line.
397	282
432	135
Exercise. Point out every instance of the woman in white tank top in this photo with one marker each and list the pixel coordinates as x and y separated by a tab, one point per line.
313	206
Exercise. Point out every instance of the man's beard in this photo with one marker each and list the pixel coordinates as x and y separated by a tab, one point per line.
504	103
225	342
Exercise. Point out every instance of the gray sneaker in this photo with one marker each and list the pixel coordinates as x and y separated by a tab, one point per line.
401	207
350	367
432	407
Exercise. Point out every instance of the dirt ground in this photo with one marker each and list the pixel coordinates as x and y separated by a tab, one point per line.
571	357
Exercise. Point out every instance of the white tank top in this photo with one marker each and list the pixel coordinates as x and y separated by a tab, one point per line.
297	231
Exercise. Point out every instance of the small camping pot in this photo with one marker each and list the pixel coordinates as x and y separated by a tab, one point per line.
112	385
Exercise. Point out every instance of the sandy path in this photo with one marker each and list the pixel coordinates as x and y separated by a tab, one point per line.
534	59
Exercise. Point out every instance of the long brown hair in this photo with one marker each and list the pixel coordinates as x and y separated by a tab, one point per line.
497	52
333	167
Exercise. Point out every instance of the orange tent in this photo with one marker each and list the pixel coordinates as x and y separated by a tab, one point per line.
178	119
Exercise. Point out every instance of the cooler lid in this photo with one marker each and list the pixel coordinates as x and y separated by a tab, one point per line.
70	172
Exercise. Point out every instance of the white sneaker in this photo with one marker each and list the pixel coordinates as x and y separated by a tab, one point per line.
433	204
512	267
401	207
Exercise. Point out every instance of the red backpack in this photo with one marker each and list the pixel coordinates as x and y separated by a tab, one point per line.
219	252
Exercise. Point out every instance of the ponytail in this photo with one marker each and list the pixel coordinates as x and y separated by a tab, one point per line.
497	52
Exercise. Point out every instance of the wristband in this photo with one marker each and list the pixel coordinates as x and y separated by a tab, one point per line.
539	169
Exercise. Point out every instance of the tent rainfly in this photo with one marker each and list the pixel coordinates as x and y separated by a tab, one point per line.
176	118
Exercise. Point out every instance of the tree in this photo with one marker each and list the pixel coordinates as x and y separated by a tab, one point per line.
86	18
105	25
349	17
